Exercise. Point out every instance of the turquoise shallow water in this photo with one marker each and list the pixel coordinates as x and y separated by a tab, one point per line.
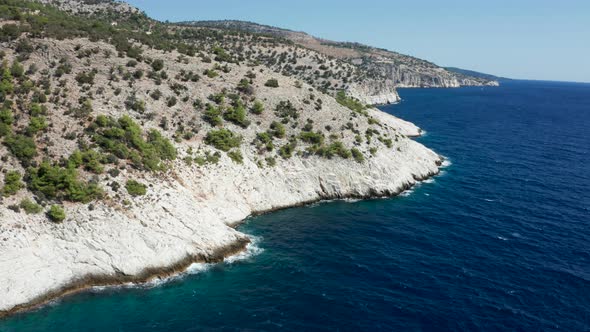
499	241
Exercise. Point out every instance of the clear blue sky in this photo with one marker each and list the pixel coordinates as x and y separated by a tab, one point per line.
532	39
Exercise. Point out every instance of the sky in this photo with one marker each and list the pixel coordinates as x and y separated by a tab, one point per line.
525	39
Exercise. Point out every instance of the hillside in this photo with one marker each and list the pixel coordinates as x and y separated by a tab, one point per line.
401	70
129	147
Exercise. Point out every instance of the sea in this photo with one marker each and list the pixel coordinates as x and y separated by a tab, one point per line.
499	241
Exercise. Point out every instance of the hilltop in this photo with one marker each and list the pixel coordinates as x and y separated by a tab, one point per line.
130	147
401	70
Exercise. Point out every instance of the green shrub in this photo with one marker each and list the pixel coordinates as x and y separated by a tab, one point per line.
221	55
349	102
237	115
236	156
36	124
12	183
125	139
277	129
272	83
30	207
135	104
35	109
17	70
257	108
56	213
55	182
223	139
171	101
286	151
22	147
334	149
373	121
157	65
285	110
271	162
357	155
245	86
387	141
210	73
212	115
156	94
6	116
266	140
6	86
92	161
208	158
135	188
311	137
6	120
86	77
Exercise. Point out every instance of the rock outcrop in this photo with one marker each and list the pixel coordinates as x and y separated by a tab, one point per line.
124	160
185	218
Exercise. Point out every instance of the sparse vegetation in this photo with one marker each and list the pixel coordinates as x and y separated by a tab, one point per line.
223	139
12	183
56	213
272	83
135	188
349	102
357	155
30	207
236	156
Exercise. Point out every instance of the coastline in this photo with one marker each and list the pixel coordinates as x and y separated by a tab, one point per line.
151	273
147	275
187	217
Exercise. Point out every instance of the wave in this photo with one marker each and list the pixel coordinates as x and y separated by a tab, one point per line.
446	163
406	193
252	249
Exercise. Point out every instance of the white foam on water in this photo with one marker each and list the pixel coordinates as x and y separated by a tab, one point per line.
446	163
352	200
252	249
430	180
502	238
406	193
196	268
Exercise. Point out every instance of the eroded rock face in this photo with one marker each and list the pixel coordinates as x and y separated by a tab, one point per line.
186	216
374	93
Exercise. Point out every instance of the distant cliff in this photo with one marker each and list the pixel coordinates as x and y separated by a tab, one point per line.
382	70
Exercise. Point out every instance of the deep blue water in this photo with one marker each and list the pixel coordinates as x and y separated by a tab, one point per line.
499	241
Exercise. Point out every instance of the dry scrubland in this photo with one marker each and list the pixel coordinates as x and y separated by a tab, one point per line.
130	147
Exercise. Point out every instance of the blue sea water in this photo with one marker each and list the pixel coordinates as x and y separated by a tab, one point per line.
500	241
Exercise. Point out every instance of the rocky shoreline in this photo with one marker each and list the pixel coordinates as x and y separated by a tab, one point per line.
90	281
149	274
186	217
177	268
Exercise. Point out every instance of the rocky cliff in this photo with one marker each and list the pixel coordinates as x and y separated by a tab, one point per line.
129	152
